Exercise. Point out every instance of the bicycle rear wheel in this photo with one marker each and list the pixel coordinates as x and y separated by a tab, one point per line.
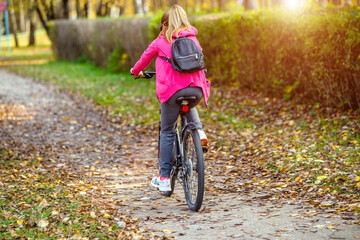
193	171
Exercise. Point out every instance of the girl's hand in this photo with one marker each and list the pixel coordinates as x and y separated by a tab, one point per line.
140	73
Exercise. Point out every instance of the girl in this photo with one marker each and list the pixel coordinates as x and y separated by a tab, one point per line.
171	84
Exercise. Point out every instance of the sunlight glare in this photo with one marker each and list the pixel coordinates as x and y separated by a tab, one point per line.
293	4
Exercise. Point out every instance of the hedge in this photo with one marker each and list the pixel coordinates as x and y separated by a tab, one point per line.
313	56
98	40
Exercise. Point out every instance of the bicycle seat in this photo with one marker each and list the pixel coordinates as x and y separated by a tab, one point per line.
189	99
186	102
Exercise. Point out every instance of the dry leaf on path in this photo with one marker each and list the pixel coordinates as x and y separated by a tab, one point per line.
43	223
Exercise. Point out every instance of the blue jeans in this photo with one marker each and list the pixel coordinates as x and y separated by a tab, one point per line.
169	114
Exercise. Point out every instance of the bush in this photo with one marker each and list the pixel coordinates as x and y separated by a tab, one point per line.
313	56
118	61
154	25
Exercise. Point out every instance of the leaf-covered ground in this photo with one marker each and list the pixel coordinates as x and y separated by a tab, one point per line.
41	201
287	150
71	170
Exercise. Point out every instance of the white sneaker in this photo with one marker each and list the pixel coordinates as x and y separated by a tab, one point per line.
163	184
203	139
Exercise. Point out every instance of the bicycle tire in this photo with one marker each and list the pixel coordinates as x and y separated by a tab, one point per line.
194	173
173	174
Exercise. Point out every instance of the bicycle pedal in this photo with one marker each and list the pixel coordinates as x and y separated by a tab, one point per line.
205	149
205	145
203	139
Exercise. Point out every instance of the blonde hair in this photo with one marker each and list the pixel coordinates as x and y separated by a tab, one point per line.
175	20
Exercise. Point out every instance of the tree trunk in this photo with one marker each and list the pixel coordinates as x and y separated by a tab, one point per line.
90	9
145	6
250	4
22	17
13	22
32	33
107	9
51	14
42	19
78	9
2	25
72	10
99	8
86	9
220	5
32	24
138	7
135	6
65	8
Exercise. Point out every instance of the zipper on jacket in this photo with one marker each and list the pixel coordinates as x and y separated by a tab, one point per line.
191	55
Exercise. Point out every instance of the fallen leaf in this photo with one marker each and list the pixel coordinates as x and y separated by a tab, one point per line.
43	204
43	223
20	221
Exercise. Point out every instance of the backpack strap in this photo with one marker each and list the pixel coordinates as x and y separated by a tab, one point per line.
166	59
169	60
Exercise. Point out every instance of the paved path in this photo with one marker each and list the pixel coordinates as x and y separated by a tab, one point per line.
77	136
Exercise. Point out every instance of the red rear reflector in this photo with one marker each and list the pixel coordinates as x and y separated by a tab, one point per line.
185	108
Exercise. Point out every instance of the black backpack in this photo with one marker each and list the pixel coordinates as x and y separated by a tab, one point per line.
186	56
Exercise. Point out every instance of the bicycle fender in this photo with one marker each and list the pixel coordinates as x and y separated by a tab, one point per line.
190	125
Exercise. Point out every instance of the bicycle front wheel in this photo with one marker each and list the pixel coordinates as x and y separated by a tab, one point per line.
193	171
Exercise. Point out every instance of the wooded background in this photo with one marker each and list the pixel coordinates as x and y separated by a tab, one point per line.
27	15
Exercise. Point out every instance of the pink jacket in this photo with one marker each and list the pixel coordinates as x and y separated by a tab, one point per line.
168	80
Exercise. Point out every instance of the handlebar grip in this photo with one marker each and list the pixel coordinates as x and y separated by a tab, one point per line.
146	74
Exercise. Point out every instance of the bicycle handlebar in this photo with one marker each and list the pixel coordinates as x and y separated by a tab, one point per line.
147	75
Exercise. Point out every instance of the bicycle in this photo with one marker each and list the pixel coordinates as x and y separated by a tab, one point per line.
188	159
